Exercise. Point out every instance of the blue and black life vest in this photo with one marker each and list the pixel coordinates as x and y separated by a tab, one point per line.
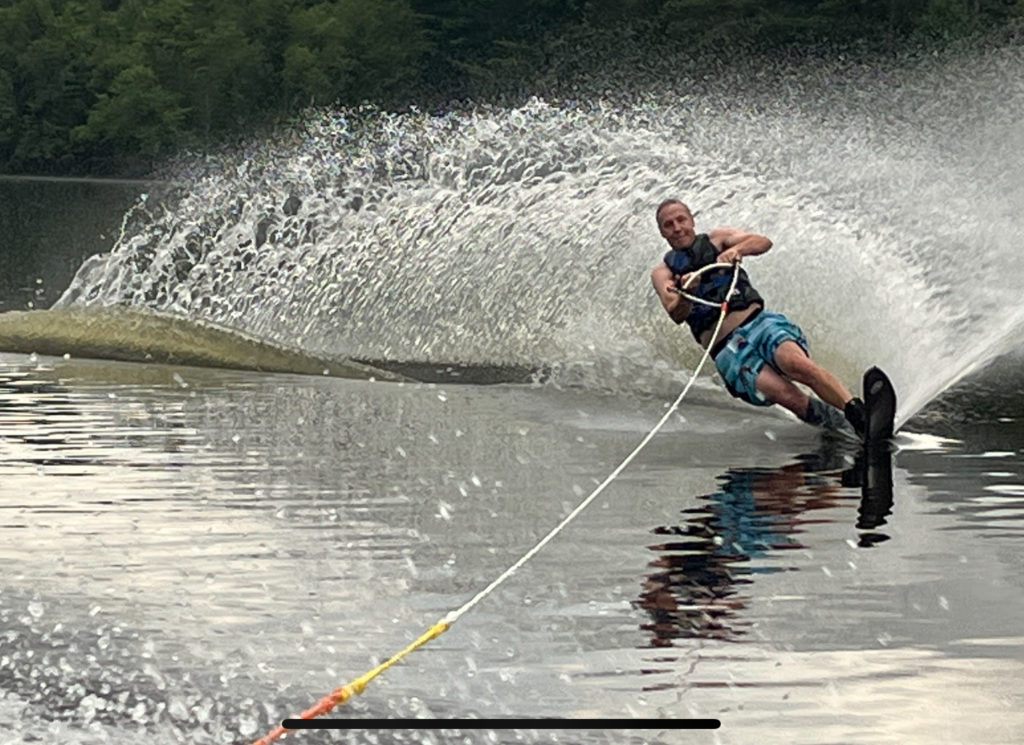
711	285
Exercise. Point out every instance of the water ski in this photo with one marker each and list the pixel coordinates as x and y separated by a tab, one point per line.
880	405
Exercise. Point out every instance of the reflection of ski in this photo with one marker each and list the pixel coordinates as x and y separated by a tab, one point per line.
872	472
875	493
880	403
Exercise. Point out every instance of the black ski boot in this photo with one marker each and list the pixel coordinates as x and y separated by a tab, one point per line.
820	414
857	416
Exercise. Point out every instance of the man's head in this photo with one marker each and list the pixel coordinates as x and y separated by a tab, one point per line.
675	222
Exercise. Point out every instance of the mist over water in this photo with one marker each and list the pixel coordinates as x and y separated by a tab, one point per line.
524	235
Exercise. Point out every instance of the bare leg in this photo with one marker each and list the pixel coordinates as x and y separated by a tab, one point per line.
780	391
794	363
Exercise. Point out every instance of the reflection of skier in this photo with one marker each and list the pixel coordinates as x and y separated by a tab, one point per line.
758	353
694	588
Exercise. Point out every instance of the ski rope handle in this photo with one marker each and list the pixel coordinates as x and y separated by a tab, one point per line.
694	275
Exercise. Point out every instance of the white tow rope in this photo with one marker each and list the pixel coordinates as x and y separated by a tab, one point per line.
456	614
355	687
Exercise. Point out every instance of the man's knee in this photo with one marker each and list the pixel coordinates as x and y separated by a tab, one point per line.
780	391
804	371
794	362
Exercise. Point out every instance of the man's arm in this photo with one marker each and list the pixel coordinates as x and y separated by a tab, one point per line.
733	243
677	307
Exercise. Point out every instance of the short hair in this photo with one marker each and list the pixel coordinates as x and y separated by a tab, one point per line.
666	203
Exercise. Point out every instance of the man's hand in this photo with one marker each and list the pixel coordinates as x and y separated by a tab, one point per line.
733	243
679	283
730	255
677	307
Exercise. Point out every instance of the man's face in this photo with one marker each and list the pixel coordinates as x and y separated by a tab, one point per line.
676	225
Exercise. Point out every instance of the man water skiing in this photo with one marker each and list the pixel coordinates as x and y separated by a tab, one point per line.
758	353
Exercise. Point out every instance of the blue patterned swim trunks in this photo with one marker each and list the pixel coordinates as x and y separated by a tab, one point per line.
749	348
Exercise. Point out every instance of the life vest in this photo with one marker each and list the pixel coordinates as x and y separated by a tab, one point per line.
712	285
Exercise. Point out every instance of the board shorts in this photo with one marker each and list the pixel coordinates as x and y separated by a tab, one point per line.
740	356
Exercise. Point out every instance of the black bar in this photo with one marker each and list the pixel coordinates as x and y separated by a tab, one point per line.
535	723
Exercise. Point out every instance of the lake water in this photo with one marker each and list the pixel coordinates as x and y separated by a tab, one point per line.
193	553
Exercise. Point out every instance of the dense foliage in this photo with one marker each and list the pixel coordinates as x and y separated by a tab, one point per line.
99	85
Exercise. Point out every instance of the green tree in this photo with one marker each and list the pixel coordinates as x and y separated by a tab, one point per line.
8	116
49	77
942	19
491	41
227	71
88	84
137	117
352	49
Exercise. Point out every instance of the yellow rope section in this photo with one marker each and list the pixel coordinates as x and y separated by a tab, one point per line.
343	694
356	687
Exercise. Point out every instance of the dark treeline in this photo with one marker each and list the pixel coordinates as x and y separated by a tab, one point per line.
111	85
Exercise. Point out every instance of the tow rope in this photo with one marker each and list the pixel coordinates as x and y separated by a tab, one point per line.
355	687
